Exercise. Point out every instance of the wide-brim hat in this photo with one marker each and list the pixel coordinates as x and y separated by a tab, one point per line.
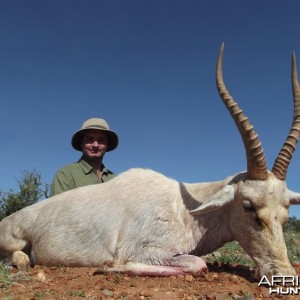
98	124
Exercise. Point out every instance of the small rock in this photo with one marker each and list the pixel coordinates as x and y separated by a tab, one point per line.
211	296
107	293
189	278
145	293
217	254
41	276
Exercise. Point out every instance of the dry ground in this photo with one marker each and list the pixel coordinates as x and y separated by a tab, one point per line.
222	282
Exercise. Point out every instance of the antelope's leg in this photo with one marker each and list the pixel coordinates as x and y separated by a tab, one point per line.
178	265
18	259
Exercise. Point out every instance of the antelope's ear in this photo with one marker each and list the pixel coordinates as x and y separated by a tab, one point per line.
294	197
216	201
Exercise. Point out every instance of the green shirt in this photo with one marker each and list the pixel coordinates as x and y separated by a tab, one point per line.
76	175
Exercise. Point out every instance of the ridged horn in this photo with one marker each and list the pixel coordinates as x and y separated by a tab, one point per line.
256	161
285	155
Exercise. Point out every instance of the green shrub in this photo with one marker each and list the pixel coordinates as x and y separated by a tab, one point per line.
4	275
30	192
292	239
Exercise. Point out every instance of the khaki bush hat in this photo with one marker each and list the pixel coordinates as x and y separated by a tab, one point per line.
98	124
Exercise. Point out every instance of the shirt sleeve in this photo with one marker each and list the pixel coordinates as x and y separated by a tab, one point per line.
61	183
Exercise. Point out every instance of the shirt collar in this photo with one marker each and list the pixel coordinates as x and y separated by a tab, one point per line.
86	168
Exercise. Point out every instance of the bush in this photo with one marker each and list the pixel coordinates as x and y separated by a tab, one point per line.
293	224
30	192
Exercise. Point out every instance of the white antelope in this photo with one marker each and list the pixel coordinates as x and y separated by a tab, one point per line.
144	223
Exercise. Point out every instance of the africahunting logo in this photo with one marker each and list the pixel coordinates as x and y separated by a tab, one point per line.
281	285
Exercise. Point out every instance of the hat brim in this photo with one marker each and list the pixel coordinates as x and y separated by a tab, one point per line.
112	139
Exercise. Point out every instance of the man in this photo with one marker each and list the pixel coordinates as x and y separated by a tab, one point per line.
94	139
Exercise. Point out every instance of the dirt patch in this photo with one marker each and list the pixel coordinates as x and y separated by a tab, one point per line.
222	282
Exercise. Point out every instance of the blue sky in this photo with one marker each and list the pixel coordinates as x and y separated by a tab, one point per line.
148	68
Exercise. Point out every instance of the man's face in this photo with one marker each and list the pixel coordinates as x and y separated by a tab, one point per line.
94	143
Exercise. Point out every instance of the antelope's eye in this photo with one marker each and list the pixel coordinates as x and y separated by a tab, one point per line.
248	206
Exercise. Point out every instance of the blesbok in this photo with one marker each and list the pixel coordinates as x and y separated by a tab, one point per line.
144	223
